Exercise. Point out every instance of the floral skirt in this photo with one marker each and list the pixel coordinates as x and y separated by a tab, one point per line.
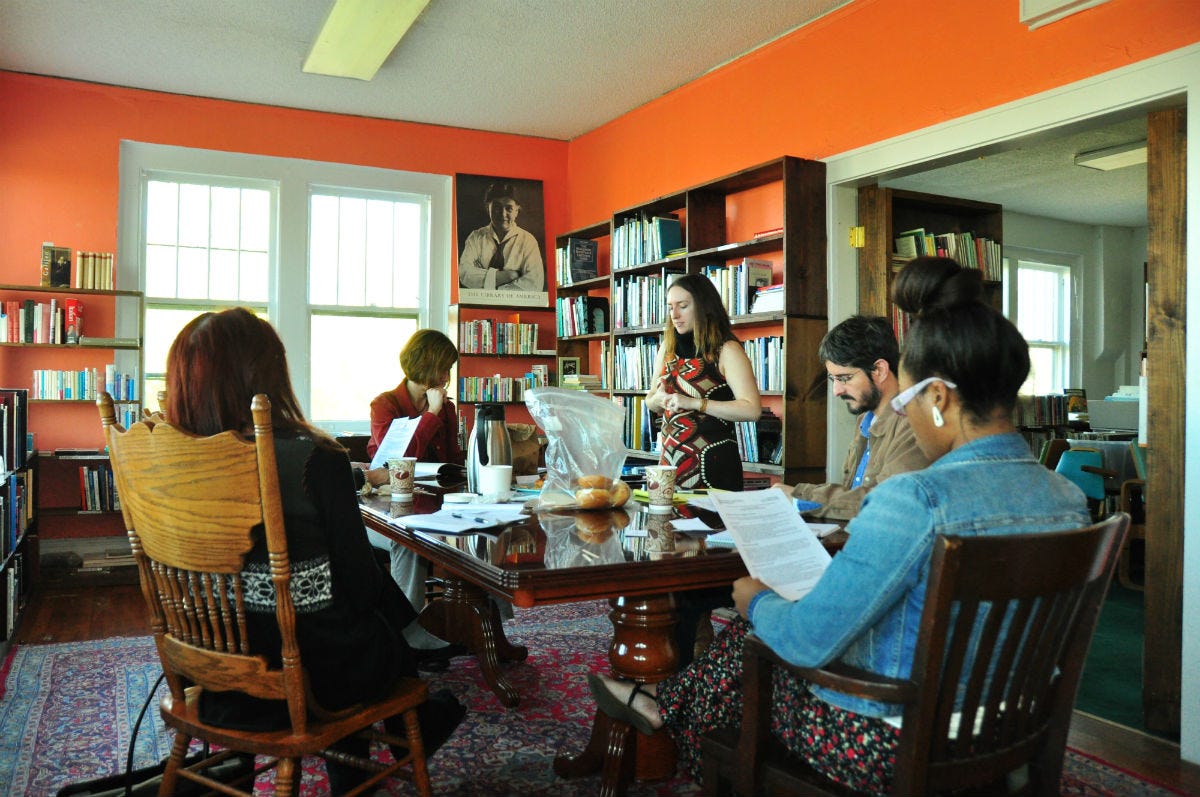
852	749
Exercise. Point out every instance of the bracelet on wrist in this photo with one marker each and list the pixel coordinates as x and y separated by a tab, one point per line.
703	406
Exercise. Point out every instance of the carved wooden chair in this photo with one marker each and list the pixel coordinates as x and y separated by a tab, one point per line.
190	504
1005	732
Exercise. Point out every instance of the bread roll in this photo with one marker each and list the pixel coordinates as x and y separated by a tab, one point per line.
594	480
593	526
593	498
620	493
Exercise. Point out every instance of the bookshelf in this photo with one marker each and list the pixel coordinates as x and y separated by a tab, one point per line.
498	345
772	213
885	213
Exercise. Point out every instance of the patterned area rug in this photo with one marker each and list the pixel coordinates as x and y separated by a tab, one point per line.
69	709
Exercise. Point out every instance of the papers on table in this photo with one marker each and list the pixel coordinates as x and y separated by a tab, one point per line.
395	442
687	524
462	518
773	540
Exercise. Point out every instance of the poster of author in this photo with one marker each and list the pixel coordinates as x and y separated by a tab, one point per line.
501	241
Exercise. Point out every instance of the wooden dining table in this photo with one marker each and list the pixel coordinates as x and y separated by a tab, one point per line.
628	556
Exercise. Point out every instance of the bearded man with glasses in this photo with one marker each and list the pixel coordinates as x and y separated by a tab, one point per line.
861	357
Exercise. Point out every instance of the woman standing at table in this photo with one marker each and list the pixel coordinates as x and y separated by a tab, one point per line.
703	385
349	615
962	366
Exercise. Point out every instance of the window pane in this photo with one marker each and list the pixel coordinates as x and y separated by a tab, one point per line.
162	326
379	268
1042	372
344	377
193	215
254	275
160	271
162	212
223	276
409	262
226	213
322	249
256	219
352	247
193	274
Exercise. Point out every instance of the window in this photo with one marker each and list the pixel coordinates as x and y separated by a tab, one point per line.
1039	296
345	261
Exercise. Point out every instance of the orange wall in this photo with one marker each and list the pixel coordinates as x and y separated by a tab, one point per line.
59	149
867	72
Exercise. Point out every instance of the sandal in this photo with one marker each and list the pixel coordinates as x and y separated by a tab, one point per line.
611	705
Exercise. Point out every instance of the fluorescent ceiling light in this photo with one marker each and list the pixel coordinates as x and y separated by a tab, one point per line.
358	36
1110	158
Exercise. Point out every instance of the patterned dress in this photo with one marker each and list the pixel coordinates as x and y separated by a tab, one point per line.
702	447
853	749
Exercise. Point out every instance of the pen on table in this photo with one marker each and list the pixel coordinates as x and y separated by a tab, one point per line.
461	516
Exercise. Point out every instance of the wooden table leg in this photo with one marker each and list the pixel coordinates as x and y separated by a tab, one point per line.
643	649
467	615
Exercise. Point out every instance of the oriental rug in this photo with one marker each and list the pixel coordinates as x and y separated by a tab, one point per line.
69	709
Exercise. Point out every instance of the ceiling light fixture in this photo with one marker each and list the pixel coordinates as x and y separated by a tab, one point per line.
1110	158
359	35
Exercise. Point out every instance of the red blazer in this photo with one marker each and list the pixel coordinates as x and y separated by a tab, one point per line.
436	438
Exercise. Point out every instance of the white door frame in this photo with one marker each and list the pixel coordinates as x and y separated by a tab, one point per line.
1155	81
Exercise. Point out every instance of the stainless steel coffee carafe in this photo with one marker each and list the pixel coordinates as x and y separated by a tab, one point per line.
489	443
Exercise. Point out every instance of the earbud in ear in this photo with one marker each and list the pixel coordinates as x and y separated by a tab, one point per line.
938	420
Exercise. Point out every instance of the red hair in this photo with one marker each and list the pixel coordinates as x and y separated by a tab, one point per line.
217	364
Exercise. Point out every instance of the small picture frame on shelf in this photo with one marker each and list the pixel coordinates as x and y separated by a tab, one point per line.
567	366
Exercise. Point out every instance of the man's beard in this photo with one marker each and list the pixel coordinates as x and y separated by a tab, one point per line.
869	403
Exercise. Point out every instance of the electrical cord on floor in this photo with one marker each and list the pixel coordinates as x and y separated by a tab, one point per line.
133	737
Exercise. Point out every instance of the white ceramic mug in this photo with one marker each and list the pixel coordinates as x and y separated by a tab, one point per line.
495	482
660	486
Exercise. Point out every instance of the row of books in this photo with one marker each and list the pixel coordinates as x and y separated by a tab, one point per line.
16	513
644	239
980	253
766	360
14	422
576	261
55	321
496	388
485	336
97	491
769	299
640	430
642	300
633	362
581	315
93	270
85	384
586	382
738	283
762	440
1048	410
14	593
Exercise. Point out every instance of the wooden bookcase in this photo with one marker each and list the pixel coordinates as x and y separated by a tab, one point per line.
886	212
773	211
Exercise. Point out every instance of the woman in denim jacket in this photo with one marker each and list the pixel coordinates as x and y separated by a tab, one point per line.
962	366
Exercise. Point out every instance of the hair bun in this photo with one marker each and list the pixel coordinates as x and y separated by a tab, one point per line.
936	283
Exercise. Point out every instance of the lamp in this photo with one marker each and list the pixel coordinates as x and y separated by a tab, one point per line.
1110	158
358	36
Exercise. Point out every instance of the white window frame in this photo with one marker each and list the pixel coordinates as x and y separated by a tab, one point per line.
1013	255
295	179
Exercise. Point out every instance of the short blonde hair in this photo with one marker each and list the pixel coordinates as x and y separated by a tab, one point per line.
427	355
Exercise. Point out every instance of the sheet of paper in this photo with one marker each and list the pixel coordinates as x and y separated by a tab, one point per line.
690	524
461	518
773	540
395	442
703	502
823	530
722	539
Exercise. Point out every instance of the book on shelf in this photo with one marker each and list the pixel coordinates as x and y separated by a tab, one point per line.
56	266
768	299
667	236
102	342
588	382
577	261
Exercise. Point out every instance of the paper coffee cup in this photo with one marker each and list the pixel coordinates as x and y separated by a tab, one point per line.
660	486
495	482
400	476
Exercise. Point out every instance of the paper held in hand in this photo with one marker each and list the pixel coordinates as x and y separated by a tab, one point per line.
773	540
394	444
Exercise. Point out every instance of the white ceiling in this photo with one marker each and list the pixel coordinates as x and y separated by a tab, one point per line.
548	68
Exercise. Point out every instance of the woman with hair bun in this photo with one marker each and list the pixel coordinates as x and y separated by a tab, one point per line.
962	366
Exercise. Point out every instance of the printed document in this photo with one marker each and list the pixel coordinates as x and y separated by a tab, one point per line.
776	544
396	441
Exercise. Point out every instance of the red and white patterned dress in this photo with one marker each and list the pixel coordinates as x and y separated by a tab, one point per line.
701	447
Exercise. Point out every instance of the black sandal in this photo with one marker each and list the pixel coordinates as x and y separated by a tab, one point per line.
611	705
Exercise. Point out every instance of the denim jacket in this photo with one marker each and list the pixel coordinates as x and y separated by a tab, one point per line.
866	609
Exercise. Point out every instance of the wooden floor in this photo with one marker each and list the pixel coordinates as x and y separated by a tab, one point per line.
59	614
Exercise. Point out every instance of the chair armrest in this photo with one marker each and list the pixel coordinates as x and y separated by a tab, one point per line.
841	677
1105	472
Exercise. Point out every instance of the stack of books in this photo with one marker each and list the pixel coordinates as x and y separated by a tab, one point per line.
768	299
589	382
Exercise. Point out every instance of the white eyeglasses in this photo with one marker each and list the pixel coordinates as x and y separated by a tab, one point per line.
902	399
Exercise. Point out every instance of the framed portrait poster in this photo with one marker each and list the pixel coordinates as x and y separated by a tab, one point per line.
501	241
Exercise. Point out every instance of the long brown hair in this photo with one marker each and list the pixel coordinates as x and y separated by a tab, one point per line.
711	329
217	364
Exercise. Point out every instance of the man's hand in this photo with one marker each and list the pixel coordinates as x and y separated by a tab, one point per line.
744	590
